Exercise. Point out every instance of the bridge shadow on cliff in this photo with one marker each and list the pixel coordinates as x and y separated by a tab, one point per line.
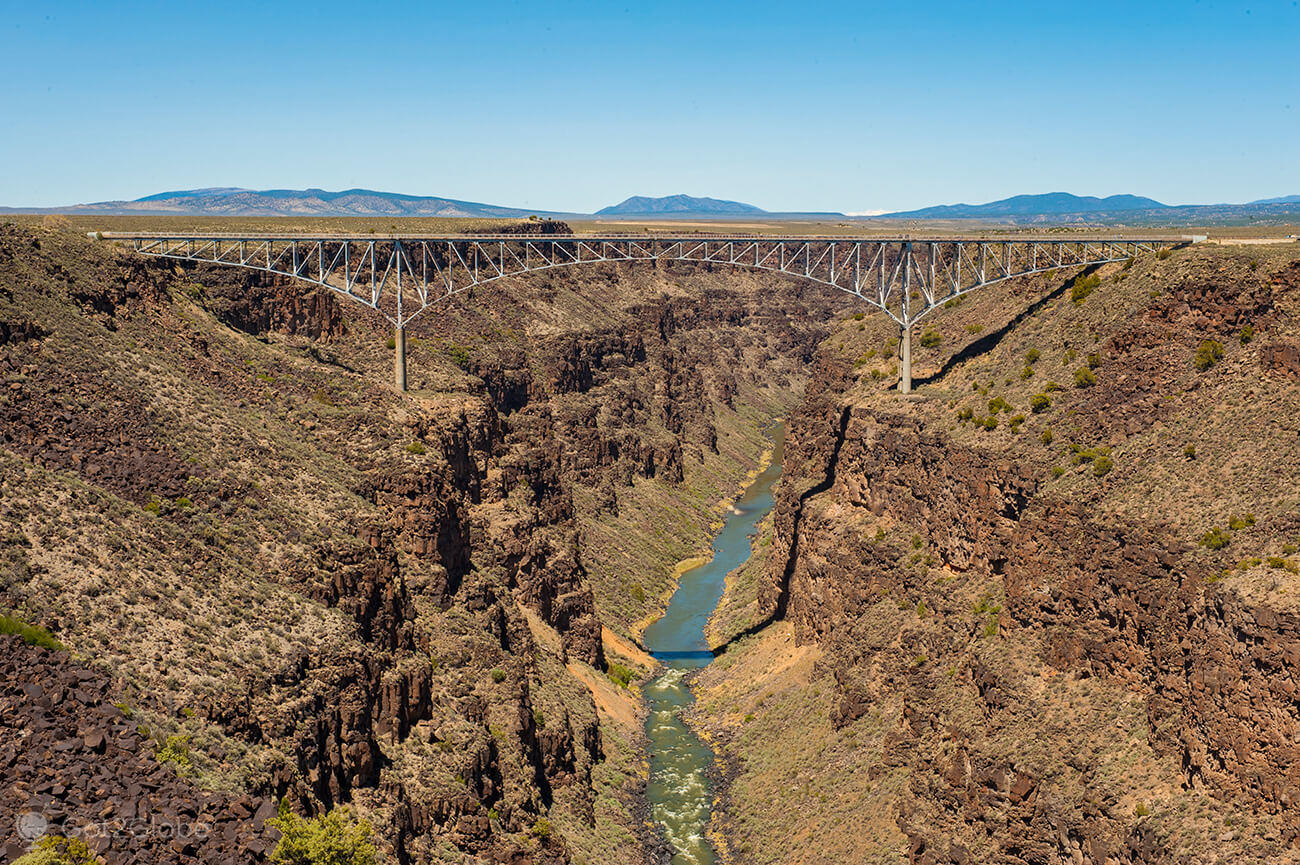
990	340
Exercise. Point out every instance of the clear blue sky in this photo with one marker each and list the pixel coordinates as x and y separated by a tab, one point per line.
571	106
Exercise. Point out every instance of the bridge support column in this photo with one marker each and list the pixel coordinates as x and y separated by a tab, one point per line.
399	359
905	359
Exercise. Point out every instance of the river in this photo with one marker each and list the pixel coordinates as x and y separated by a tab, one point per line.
678	791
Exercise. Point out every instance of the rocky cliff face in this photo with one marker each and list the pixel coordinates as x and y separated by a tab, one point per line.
1032	650
336	595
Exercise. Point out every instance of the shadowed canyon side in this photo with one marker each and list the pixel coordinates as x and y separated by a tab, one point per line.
277	580
1044	610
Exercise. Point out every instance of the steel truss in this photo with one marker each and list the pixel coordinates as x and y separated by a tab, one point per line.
403	277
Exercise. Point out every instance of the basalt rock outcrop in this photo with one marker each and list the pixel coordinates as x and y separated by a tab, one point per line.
73	763
1048	658
327	588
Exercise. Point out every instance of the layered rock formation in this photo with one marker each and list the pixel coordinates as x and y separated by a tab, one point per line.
340	596
1028	639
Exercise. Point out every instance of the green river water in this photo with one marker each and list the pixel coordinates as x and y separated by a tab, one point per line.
678	791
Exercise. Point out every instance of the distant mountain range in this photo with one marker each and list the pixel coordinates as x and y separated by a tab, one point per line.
232	201
1048	204
677	205
1051	208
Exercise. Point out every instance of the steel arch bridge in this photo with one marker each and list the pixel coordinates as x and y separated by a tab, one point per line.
402	277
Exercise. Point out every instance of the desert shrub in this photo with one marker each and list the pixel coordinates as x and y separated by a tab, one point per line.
930	338
1084	286
637	593
1069	356
1094	360
1046	436
1216	538
858	316
1039	402
58	850
459	355
498	675
1164	253
1237	523
1027	373
174	750
917	542
989	423
1052	387
1057	471
1102	465
1288	549
1128	262
542	828
1032	355
974	328
1208	354
335	838
1084	377
998	404
32	635
1190	452
1247	334
620	674
417	448
1141	810
964	414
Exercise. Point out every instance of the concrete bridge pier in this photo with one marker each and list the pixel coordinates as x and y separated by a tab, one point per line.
905	360
399	359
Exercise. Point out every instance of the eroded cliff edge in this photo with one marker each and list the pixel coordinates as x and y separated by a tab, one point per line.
1046	609
313	589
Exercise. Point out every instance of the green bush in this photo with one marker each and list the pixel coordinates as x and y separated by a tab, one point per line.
336	838
33	635
498	675
1237	523
965	413
1208	354
1084	377
1190	452
1216	539
1247	334
542	828
1046	436
1084	286
1094	360
1027	373
1057	471
175	750
620	674
637	593
459	355
1164	253
1032	355
57	850
417	448
998	404
1039	402
930	338
1052	387
1102	465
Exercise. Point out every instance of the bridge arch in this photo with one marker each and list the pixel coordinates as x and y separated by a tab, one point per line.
402	277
